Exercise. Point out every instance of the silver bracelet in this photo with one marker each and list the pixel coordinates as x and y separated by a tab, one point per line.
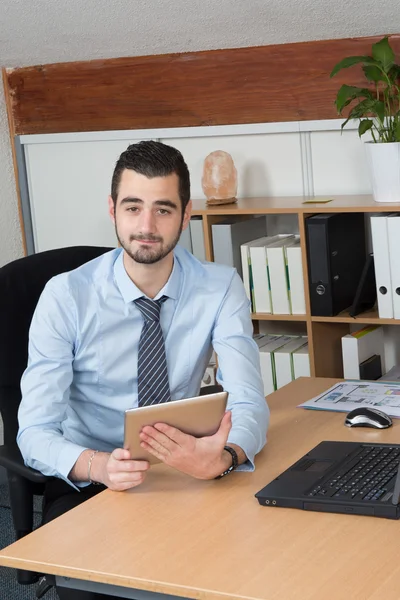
89	467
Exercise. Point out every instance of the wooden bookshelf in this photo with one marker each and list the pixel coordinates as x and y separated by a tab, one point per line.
293	205
368	317
270	317
324	333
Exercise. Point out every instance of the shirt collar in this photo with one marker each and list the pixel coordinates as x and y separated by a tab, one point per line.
130	292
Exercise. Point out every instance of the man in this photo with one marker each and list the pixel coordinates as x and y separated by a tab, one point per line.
133	327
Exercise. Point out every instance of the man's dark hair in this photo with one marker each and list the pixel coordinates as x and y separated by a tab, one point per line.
153	159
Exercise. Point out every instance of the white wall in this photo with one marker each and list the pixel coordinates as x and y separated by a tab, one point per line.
272	159
10	232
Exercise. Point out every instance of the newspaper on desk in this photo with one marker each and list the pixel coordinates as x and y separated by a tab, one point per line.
345	396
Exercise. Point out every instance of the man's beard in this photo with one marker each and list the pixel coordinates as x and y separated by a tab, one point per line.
149	255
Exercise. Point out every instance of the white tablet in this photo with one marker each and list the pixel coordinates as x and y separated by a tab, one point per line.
198	416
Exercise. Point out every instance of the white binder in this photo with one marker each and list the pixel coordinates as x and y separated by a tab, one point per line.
267	362
197	236
284	361
261	339
278	276
186	239
296	279
247	269
230	234
393	226
259	269
359	346
301	362
380	247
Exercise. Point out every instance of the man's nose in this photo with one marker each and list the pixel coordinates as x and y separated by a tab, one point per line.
148	222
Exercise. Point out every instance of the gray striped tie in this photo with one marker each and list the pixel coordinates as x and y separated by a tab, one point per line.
153	385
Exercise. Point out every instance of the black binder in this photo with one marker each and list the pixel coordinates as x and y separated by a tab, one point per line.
336	258
365	297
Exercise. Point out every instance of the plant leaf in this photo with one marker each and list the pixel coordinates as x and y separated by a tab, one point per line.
365	108
394	72
372	73
362	109
382	52
364	126
379	109
350	61
347	93
374	107
352	115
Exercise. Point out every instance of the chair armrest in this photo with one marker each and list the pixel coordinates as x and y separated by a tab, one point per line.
11	459
211	389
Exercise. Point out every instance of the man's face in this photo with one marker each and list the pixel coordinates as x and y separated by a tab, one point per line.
148	216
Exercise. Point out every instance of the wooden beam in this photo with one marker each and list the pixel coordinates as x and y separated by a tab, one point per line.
287	82
14	157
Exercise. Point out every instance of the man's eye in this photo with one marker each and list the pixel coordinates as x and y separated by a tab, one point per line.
132	209
162	211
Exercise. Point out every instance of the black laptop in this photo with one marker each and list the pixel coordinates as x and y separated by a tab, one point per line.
340	477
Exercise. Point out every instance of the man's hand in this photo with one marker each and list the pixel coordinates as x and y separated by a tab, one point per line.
203	458
117	471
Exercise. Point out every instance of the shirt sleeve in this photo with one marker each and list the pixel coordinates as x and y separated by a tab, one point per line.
46	382
239	372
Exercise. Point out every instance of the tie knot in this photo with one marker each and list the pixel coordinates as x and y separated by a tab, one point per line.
150	309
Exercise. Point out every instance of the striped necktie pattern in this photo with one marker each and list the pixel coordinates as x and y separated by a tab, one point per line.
153	384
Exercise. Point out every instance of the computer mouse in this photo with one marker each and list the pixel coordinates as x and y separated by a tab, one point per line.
366	416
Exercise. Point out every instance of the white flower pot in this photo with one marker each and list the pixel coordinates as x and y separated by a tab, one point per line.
384	166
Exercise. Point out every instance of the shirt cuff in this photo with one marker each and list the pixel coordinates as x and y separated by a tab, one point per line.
67	458
247	448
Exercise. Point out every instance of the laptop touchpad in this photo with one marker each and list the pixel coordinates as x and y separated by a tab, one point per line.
319	466
312	465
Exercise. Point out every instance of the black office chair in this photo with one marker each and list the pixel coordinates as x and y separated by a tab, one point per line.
21	284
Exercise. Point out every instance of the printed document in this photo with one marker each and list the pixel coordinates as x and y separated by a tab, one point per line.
347	395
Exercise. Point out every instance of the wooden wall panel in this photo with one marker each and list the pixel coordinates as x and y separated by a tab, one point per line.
286	82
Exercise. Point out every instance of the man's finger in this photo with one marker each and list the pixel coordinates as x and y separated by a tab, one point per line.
122	487
158	435
131	465
225	426
156	445
154	452
120	454
172	433
132	478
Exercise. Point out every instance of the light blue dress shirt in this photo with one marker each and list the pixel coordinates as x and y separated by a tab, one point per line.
83	350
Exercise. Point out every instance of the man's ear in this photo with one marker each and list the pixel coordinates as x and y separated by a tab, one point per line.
111	209
187	215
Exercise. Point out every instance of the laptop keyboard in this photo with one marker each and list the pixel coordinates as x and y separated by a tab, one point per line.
366	476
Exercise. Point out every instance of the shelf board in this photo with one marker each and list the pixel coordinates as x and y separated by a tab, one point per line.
269	317
294	205
369	317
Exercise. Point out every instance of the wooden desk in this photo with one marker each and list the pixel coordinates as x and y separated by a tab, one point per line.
212	540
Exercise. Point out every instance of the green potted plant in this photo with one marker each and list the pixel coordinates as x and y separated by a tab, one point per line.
377	107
